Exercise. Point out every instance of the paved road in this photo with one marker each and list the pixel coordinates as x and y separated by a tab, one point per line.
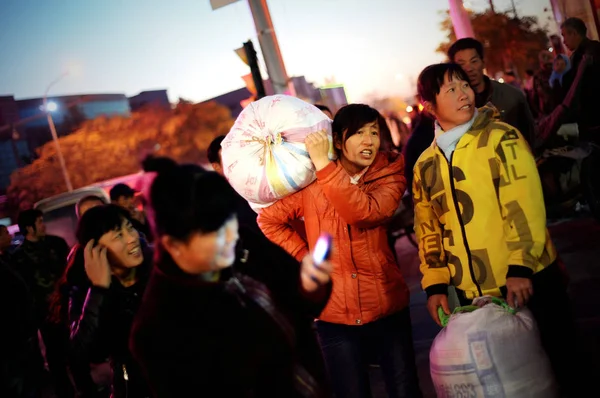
578	243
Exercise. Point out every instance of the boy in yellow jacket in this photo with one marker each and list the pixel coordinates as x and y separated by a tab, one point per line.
480	218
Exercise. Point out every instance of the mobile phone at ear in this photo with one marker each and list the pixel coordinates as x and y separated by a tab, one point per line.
322	250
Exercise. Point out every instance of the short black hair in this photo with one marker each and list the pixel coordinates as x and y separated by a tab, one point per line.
323	108
189	199
99	220
121	190
27	218
576	24
431	79
157	163
212	153
85	199
350	118
468	43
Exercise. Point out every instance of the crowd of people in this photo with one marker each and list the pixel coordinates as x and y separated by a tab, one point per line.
199	296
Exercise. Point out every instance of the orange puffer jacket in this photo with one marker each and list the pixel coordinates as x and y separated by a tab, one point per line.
367	282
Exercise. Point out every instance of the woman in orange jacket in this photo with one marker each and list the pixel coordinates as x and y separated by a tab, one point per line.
352	199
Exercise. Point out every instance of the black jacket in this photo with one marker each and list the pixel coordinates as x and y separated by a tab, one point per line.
20	361
512	105
101	321
247	335
587	117
41	264
421	138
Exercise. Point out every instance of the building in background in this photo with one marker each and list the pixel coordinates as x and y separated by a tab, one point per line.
13	149
149	98
587	10
24	126
333	96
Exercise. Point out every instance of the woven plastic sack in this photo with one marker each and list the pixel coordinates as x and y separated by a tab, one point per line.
264	156
489	350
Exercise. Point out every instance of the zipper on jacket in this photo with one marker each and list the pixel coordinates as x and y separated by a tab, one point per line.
355	269
462	225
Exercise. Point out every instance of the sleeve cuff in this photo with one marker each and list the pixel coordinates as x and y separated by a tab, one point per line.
301	254
326	171
519	271
440	288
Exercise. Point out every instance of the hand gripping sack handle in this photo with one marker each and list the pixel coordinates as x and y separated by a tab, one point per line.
264	155
490	350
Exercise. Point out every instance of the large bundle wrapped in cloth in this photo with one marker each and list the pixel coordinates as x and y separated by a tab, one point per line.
489	350
264	156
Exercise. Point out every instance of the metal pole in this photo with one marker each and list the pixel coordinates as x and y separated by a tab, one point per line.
514	9
270	47
61	160
460	20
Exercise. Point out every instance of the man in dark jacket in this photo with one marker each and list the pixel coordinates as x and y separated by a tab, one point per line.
20	361
507	99
40	261
574	34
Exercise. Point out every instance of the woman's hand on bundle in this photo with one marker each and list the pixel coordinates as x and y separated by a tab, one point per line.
317	145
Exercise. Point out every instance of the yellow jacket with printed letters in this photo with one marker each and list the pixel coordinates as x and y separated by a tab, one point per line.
480	217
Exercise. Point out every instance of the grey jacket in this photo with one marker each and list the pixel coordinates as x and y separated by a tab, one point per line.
513	107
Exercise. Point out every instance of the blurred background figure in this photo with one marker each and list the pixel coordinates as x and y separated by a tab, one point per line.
124	196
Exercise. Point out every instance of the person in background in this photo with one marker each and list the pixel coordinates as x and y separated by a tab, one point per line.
123	195
246	216
511	78
528	82
107	279
395	136
325	109
86	203
489	166
5	243
40	260
354	199
507	99
543	101
155	164
560	67
21	364
226	312
421	138
574	34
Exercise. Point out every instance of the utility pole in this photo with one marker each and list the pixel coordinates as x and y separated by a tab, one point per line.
460	20
61	159
270	47
268	43
514	9
254	69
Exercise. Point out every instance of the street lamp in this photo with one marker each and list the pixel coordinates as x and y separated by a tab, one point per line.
49	107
